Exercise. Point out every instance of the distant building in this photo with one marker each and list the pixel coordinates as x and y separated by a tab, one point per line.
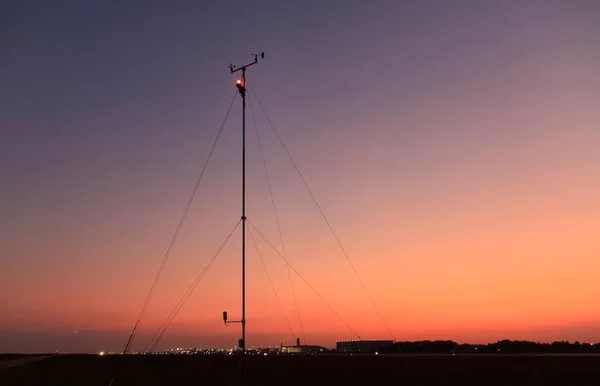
364	346
301	349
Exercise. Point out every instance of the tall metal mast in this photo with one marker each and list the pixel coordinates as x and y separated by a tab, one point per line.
241	85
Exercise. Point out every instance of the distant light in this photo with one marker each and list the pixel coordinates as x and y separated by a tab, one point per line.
101	353
239	81
265	354
376	352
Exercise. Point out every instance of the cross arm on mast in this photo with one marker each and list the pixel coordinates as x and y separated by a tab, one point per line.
232	68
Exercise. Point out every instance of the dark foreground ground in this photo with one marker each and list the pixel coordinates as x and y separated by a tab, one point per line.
307	370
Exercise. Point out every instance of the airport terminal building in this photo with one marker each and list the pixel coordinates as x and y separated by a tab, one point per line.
301	349
364	346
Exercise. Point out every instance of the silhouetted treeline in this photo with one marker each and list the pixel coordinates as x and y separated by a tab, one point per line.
500	347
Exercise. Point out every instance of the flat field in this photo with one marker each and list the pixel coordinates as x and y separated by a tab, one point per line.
329	370
8	357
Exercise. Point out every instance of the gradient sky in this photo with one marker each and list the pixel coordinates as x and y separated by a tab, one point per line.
453	145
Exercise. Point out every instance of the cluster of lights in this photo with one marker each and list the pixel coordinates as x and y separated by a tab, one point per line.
229	351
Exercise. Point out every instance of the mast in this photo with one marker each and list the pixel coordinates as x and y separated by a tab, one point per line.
241	85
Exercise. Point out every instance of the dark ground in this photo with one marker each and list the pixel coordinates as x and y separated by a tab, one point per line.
6	357
308	370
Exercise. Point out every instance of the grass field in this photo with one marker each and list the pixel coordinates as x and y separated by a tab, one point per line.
7	357
307	370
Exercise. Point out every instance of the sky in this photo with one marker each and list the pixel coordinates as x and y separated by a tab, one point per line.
453	147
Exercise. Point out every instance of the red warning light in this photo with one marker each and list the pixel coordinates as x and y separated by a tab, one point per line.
239	83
